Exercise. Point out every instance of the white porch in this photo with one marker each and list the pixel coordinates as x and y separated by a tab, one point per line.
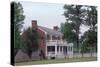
58	49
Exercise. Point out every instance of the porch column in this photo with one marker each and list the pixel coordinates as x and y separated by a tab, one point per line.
68	50
46	50
72	49
55	50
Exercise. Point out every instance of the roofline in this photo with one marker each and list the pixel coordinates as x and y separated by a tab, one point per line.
43	30
46	31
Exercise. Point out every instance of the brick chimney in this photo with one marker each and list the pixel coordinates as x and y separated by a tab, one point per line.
34	24
56	28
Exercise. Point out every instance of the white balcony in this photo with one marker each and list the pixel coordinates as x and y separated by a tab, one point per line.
58	48
56	42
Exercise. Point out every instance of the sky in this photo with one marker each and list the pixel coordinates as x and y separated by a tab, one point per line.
46	14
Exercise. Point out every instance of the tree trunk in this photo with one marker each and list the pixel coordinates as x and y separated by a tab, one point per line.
77	27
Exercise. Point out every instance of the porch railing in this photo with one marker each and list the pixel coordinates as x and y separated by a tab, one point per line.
52	42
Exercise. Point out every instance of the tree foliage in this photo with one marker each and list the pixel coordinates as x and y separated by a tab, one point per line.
69	33
30	41
18	21
90	36
77	15
89	40
74	16
92	18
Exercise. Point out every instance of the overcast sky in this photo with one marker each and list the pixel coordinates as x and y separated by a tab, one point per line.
46	14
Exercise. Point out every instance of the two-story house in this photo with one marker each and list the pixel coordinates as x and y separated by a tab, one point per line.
52	43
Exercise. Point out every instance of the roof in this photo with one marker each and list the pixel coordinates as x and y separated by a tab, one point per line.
51	31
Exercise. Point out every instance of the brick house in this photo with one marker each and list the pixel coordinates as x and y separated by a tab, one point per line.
52	43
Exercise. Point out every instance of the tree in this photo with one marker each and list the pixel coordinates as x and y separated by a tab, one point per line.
90	36
18	21
69	33
75	15
84	48
89	42
62	27
92	18
30	41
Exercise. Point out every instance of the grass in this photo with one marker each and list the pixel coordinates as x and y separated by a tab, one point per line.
58	61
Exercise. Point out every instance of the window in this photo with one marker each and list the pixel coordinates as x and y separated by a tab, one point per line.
48	37
54	38
58	38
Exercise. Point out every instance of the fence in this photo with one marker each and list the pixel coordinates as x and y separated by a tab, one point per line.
85	55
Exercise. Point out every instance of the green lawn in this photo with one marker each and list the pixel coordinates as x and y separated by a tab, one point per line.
57	61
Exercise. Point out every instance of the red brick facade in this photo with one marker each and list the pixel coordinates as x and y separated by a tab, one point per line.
42	36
